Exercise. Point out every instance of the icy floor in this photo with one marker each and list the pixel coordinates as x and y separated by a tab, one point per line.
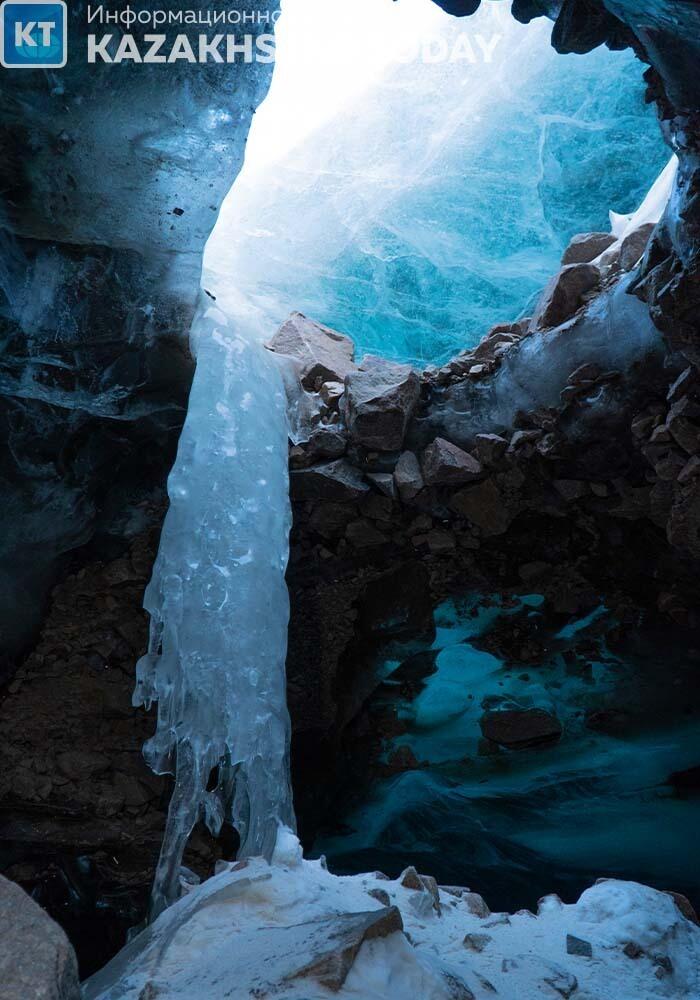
263	931
518	824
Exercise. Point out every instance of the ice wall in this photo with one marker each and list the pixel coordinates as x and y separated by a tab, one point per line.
437	200
219	605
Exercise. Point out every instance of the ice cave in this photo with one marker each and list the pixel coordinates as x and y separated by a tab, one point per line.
350	403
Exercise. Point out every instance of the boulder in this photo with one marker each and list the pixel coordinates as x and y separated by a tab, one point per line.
586	247
444	462
485	506
332	481
321	353
379	401
490	448
634	246
564	295
334	943
384	481
36	958
408	477
518	729
326	441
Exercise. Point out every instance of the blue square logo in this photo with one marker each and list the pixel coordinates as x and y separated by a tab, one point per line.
33	35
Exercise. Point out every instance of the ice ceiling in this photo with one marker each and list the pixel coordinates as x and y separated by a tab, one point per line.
413	178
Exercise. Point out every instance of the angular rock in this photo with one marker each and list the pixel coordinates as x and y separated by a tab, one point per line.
379	401
384	481
517	729
36	958
331	392
485	506
381	895
322	353
490	448
410	879
345	934
586	247
444	462
408	477
326	442
564	295
634	245
476	942
333	481
476	905
577	946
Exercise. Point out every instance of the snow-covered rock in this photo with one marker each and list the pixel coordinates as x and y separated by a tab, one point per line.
294	931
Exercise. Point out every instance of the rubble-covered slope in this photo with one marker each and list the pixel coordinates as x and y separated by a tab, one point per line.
293	930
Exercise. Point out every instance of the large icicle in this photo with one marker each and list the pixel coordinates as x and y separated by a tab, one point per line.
219	606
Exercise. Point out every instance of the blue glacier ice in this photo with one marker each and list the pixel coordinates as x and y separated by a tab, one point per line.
437	200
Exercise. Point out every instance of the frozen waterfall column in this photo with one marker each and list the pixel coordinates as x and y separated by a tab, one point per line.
110	180
219	606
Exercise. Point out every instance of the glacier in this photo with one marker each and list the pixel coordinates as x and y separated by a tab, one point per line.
436	200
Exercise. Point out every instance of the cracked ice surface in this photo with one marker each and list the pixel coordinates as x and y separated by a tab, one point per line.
219	605
437	200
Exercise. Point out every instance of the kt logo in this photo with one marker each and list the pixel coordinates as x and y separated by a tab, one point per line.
33	35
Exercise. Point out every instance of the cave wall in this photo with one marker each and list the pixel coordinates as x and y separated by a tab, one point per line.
99	282
112	176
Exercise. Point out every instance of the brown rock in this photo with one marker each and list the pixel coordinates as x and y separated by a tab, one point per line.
410	879
333	481
476	905
476	942
326	442
634	245
331	392
564	295
36	958
684	905
322	353
484	506
517	729
335	943
381	895
444	462
408	477
384	481
586	247
379	402
490	448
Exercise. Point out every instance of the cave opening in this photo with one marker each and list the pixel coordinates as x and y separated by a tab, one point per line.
413	208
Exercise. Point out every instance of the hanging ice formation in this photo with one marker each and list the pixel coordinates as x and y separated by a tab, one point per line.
219	607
